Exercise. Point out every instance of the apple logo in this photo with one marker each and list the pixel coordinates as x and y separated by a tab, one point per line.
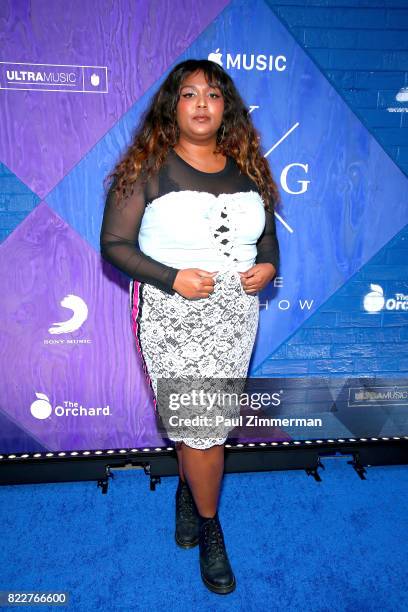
374	301
402	95
215	57
95	80
41	407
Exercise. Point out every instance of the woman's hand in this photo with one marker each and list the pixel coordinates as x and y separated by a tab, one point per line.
257	277
193	283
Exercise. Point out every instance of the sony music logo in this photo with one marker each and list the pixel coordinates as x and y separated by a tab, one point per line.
78	314
243	61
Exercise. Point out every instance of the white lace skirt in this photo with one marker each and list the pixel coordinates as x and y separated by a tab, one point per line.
208	337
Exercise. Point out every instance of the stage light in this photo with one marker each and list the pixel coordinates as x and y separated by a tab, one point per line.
374	439
62	454
86	453
99	452
73	453
109	452
363	439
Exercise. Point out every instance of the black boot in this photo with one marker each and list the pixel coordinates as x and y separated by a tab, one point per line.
215	567
186	534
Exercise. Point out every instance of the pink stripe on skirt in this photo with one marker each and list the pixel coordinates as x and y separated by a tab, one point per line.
136	302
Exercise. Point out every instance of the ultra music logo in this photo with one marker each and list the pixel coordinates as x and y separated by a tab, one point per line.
54	78
375	301
42	409
244	61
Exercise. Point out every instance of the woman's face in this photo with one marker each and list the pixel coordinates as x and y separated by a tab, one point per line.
200	107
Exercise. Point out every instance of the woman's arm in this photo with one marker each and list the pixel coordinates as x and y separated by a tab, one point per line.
119	241
268	245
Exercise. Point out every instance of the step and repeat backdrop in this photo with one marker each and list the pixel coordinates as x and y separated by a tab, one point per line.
74	80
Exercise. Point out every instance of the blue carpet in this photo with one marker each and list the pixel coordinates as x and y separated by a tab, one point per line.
294	544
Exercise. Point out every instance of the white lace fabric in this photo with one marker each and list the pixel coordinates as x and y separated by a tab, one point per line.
205	338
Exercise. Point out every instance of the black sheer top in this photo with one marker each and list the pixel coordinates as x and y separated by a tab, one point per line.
121	224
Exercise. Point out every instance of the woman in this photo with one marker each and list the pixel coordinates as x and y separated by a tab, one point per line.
195	192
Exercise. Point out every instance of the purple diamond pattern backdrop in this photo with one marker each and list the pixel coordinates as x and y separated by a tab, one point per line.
53	283
66	340
45	133
65	326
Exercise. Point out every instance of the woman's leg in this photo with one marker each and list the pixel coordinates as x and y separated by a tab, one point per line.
179	451
203	470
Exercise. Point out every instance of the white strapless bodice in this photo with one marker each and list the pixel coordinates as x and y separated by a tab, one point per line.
183	229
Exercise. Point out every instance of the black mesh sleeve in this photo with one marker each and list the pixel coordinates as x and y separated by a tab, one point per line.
268	245
119	241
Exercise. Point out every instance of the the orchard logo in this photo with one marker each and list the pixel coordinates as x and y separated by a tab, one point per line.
249	61
42	409
79	315
375	301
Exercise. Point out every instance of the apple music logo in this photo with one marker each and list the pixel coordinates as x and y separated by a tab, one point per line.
242	61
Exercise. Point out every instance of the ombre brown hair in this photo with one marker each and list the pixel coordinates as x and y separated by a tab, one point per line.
158	131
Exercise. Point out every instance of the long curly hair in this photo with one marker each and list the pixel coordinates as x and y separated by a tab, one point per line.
158	131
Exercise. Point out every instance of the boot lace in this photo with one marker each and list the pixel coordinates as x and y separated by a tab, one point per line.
214	541
185	504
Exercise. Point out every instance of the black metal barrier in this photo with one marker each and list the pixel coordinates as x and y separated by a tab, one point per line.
304	455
